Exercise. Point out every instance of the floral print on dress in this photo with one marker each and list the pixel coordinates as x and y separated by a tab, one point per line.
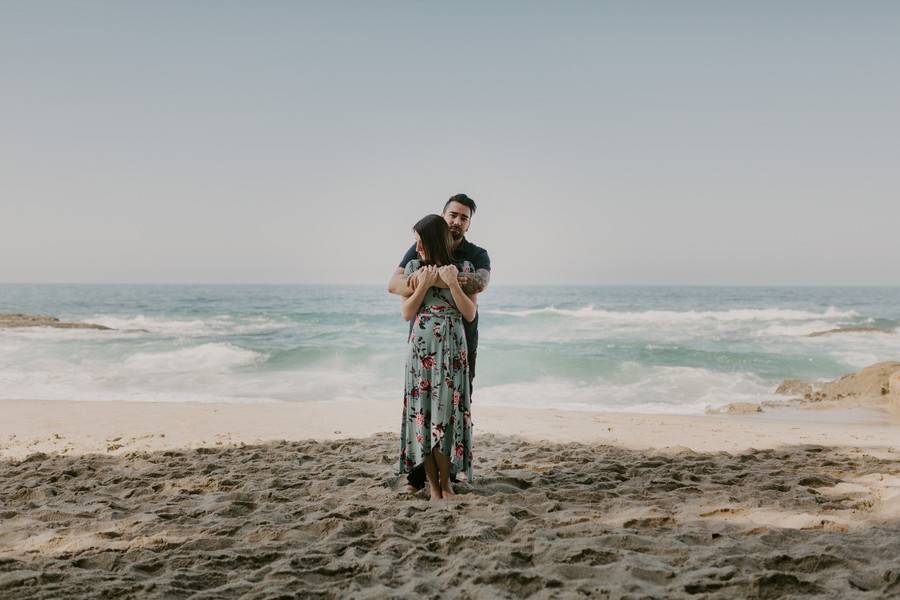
436	396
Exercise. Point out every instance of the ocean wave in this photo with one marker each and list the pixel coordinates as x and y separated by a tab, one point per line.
206	357
203	374
210	326
178	377
796	330
856	359
675	317
677	390
71	387
54	334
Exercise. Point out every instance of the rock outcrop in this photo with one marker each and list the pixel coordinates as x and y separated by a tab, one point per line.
794	387
894	392
9	320
878	383
736	408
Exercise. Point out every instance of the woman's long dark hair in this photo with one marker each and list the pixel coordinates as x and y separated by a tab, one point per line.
435	235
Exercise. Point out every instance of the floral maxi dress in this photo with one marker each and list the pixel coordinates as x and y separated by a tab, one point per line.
436	396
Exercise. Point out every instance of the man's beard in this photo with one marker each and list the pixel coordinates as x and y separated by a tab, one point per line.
456	234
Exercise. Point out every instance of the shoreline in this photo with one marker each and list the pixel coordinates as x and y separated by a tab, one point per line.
116	427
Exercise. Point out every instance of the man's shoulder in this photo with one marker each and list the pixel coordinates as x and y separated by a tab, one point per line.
410	255
467	248
476	255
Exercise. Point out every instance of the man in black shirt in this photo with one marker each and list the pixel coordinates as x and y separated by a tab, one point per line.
457	213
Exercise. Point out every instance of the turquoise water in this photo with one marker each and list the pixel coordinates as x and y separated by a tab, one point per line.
648	349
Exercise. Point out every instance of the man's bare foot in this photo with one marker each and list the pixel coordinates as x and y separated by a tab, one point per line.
435	493
447	492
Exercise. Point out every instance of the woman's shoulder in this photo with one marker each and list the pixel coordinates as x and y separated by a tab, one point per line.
413	265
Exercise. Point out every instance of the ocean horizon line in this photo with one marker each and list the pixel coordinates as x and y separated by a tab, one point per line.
492	285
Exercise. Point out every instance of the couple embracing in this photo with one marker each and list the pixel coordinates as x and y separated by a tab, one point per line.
439	280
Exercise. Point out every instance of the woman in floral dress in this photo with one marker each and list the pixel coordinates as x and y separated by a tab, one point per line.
437	422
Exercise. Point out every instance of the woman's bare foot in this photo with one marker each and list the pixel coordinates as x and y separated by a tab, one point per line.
434	482
410	489
443	468
435	492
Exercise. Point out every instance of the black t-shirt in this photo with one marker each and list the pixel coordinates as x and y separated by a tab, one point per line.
466	250
479	258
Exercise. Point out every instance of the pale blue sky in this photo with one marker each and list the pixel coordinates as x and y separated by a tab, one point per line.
631	142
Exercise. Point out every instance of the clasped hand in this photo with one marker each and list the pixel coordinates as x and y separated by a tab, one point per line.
431	274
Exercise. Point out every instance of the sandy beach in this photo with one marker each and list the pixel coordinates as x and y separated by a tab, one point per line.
155	500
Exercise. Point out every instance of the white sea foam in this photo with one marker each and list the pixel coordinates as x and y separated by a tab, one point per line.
325	383
853	348
206	357
794	330
93	387
59	334
205	374
682	390
210	326
220	325
156	325
105	382
858	360
590	324
675	317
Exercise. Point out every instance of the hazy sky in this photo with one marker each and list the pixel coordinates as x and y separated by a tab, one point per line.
628	142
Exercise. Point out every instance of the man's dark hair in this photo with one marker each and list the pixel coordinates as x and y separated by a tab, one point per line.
462	199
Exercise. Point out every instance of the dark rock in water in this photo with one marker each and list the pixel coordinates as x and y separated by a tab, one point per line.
849	330
21	320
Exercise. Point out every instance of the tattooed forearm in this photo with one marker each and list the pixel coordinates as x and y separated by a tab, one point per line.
475	283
